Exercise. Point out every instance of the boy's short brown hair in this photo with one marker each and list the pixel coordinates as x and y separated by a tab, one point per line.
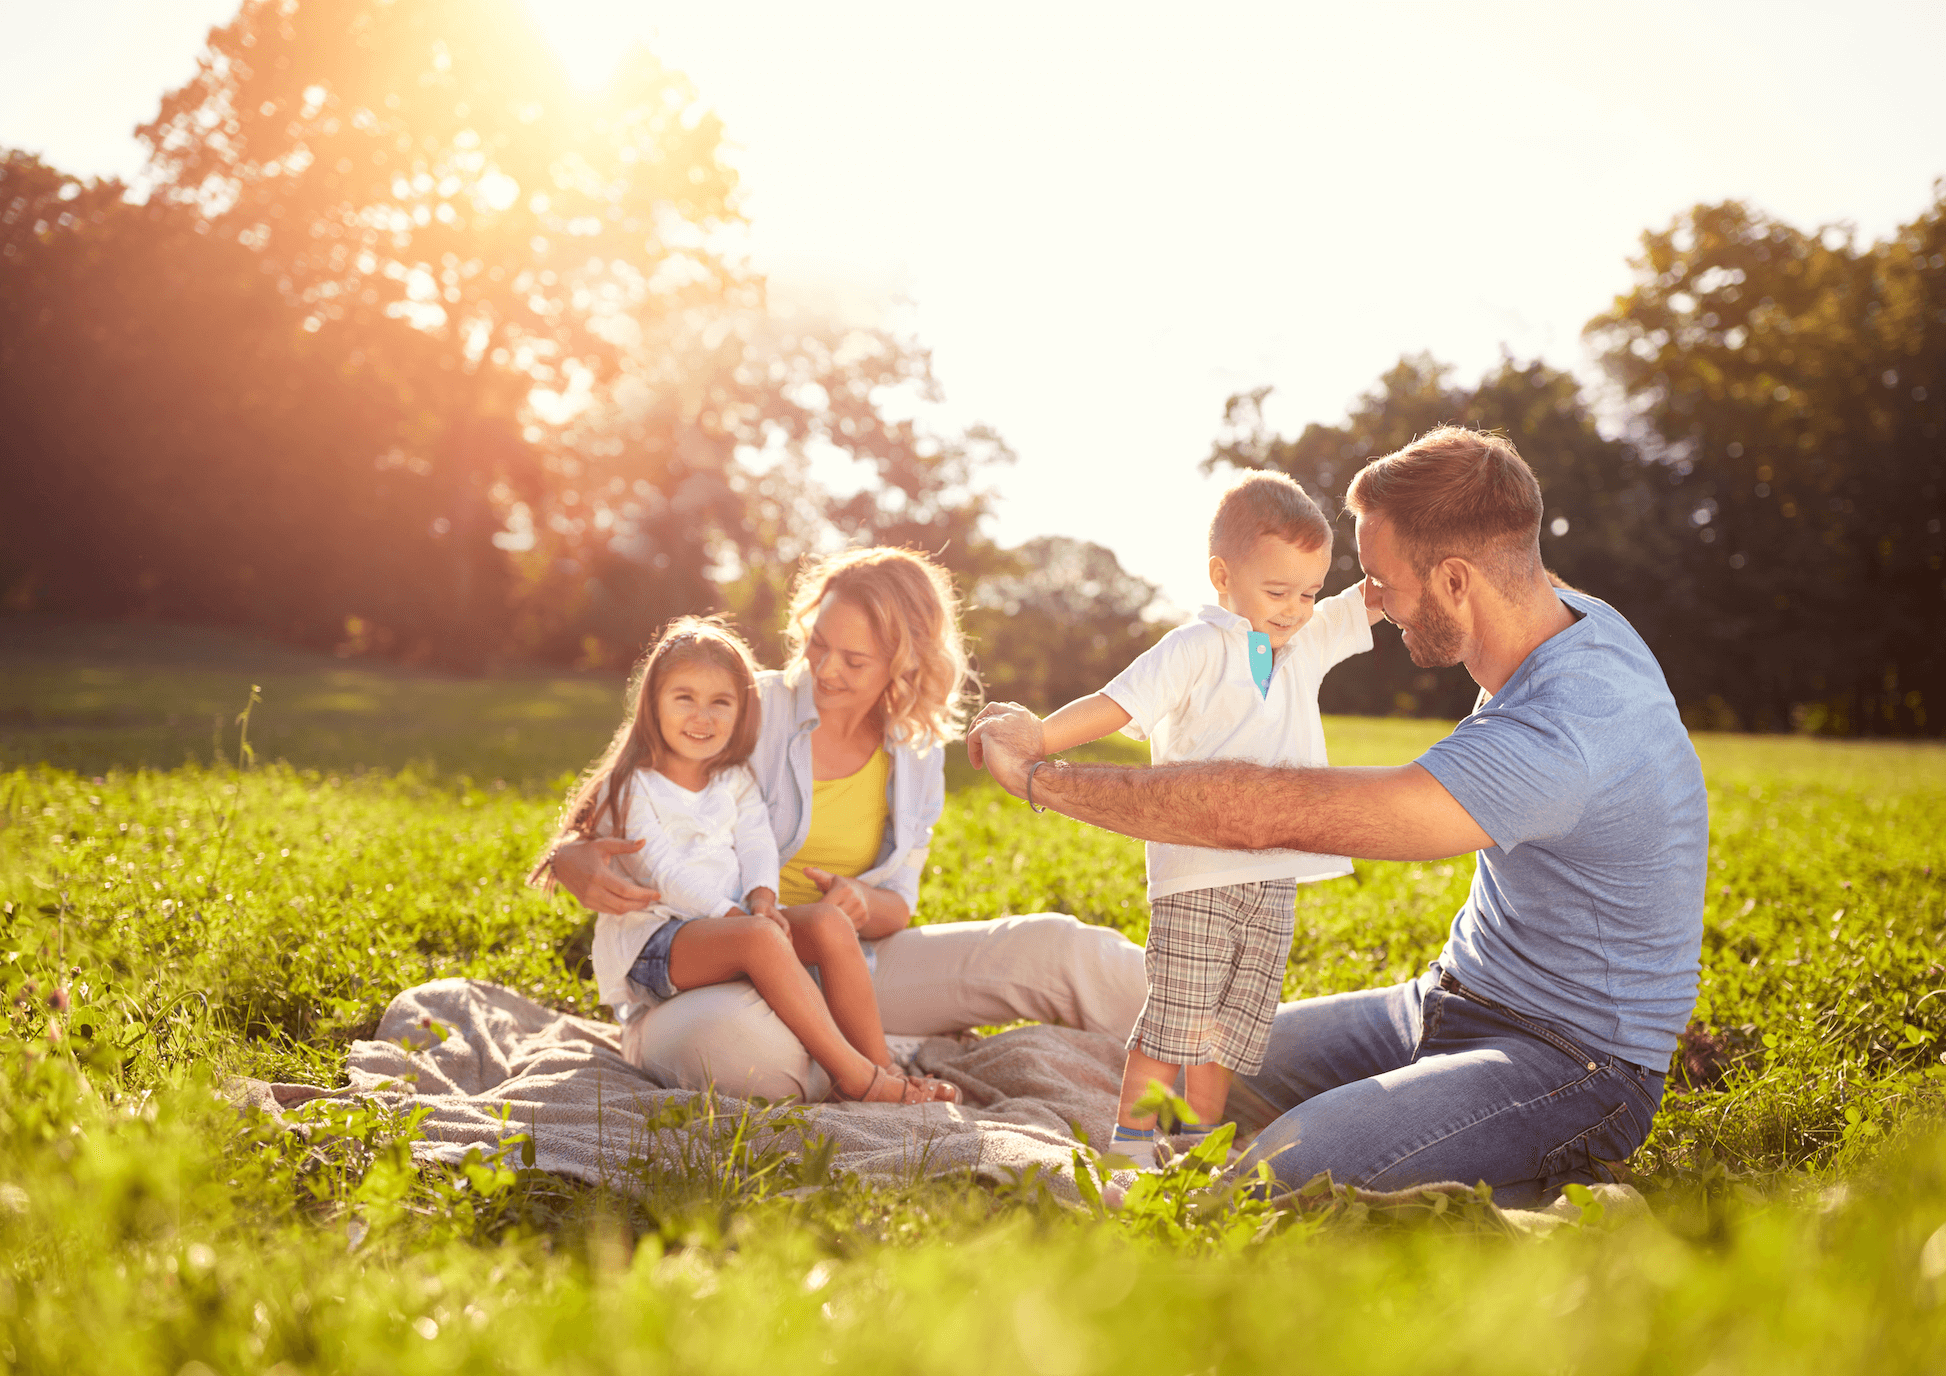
1266	503
1457	492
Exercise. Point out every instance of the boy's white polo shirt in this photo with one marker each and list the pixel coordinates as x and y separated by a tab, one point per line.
1192	697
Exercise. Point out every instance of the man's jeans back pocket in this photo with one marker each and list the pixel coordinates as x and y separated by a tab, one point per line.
1584	1158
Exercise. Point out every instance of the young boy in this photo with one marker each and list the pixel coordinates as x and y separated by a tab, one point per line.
1238	683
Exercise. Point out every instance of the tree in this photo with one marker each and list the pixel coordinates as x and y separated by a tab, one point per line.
688	486
1793	381
1061	620
430	161
174	444
427	163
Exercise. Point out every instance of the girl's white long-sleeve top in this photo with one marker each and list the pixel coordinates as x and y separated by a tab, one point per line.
704	851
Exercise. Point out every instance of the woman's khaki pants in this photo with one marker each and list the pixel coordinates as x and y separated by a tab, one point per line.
1047	967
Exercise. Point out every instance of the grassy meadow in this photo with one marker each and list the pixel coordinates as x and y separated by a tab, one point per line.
173	912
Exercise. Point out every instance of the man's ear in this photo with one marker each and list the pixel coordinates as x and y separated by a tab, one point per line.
1456	578
1219	574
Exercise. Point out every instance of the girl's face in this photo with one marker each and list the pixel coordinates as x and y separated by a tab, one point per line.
849	671
696	707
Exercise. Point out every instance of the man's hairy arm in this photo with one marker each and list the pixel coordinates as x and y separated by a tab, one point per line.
1400	813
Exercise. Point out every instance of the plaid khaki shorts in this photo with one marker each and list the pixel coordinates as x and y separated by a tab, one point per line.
1215	964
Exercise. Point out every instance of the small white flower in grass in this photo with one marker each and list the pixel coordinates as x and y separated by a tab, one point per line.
818	1276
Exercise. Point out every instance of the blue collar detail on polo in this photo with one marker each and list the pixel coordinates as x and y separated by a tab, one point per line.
1263	660
1260	661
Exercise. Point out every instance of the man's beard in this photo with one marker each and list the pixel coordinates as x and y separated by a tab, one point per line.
1436	641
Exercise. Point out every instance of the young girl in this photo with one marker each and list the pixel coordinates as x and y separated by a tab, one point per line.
674	779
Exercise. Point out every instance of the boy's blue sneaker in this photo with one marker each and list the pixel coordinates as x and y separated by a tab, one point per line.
1184	1138
1137	1144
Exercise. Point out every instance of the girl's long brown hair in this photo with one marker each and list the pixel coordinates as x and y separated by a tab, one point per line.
598	805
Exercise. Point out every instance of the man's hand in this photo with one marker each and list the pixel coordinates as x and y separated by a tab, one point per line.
846	893
763	903
1004	740
582	868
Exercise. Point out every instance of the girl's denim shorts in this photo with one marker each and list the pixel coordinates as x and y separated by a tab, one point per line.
651	967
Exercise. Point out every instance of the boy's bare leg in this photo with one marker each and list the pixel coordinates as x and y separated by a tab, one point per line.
823	936
723	948
1207	1087
1140	1069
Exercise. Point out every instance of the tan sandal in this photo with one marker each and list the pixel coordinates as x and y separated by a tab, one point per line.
879	1072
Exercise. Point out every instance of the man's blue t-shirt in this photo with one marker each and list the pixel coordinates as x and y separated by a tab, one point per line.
1587	912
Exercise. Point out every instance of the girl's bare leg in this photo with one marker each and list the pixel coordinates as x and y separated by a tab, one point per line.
823	936
755	948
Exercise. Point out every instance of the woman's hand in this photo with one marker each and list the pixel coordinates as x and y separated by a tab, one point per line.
763	903
849	896
583	869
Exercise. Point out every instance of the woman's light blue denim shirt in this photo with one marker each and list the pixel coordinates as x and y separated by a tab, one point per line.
915	792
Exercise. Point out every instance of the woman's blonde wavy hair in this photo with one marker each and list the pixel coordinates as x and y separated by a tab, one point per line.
914	613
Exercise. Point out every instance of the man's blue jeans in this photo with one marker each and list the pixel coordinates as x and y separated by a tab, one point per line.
1426	1081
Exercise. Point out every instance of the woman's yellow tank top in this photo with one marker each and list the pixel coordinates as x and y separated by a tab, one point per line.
848	818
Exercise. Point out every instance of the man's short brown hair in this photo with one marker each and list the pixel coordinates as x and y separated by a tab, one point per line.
1266	504
1459	493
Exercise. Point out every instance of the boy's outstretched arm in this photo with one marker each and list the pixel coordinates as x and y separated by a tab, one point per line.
1083	720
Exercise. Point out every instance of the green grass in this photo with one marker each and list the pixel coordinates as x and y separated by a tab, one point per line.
205	920
95	697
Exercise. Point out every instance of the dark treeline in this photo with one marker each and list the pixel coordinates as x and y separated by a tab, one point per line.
294	387
1769	515
407	348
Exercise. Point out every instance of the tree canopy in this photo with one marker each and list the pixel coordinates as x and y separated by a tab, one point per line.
1793	384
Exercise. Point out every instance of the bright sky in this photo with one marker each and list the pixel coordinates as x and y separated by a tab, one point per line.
1104	219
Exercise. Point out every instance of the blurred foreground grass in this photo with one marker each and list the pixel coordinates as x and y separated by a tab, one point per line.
202	920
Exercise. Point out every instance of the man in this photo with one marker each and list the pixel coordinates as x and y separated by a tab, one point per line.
1532	1052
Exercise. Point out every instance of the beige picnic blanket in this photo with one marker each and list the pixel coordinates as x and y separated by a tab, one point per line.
499	1063
590	1113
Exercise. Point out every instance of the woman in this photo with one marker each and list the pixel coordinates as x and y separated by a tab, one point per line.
851	759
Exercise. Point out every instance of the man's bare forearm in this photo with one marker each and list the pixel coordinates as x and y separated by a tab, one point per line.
1373	814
